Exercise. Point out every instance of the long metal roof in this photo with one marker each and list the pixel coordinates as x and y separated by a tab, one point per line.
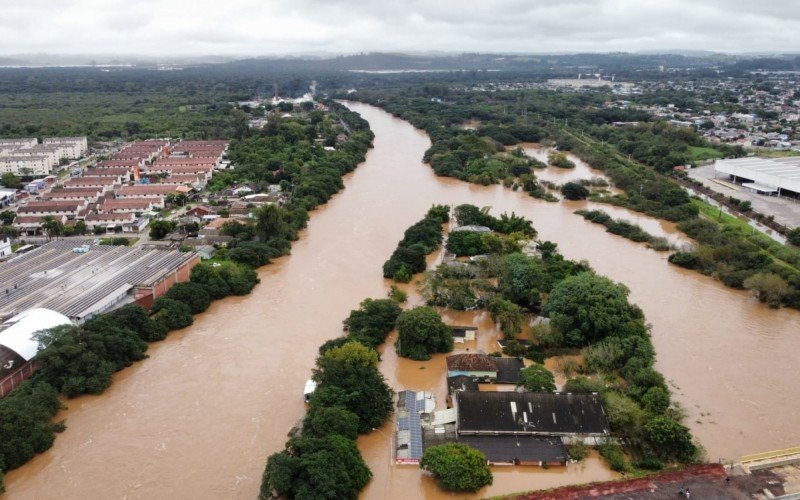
75	283
783	173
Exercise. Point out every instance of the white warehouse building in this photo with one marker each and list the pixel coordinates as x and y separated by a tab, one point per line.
770	176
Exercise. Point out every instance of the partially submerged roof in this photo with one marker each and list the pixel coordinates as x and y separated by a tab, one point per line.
471	362
522	448
461	383
508	370
16	333
534	413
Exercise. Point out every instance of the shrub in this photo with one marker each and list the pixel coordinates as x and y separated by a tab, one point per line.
578	451
669	439
171	314
574	191
194	295
465	243
615	457
580	385
537	378
457	467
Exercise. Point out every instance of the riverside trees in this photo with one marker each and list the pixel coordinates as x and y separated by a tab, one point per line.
418	241
422	333
457	467
351	398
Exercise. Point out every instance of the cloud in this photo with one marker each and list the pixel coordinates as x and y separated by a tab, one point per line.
260	27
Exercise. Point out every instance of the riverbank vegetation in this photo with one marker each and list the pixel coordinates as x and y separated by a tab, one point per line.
457	467
421	333
638	156
418	241
576	312
741	260
625	229
351	398
77	360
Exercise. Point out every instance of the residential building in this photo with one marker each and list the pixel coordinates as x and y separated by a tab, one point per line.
5	246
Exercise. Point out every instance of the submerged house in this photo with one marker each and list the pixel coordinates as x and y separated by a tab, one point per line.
484	368
528	428
544	414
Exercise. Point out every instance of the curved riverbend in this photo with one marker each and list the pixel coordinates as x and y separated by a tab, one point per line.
198	419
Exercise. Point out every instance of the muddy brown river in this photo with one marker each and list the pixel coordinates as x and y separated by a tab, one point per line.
199	418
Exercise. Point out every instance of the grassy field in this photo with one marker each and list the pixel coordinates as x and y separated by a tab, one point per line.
699	153
774	153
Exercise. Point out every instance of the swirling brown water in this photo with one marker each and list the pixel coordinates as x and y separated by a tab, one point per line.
198	419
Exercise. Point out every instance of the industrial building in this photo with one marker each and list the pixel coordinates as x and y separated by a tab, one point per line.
18	347
80	279
510	428
770	176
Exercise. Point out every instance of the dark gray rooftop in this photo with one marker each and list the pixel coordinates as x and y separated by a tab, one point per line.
533	413
523	448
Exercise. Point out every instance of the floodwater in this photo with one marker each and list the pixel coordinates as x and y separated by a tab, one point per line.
199	418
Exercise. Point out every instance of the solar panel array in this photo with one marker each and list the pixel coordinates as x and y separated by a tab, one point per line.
415	408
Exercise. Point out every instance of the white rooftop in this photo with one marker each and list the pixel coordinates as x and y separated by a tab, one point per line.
777	173
20	329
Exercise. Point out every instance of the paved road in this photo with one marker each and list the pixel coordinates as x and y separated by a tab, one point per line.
786	211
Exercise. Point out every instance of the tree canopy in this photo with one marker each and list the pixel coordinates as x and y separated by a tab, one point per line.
457	467
348	377
537	378
422	333
587	308
327	468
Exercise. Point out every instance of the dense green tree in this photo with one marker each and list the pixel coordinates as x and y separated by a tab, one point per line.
372	321
321	421
558	159
171	314
508	314
79	360
656	400
52	227
8	232
588	308
574	191
134	317
465	243
269	222
794	236
25	427
669	439
325	468
194	295
537	378
7	217
10	181
160	228
348	377
768	287
422	333
457	467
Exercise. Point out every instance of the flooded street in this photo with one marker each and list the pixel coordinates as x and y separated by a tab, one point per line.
199	418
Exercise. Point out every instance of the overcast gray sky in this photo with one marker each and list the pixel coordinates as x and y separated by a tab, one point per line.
263	27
